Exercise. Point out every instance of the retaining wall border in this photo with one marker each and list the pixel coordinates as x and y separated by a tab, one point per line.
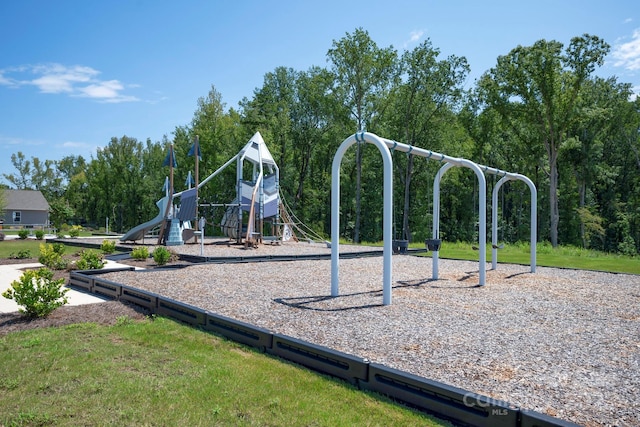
444	401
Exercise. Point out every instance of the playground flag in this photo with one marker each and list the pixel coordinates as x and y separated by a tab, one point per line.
192	151
190	181
170	159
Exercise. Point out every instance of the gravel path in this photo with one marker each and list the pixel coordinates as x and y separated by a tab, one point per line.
561	342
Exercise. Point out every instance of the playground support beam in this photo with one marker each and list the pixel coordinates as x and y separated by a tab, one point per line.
533	215
361	137
432	155
394	145
207	179
482	214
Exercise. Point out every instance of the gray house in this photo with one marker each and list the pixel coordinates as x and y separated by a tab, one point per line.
25	208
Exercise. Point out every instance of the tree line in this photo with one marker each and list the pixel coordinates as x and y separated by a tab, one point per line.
540	111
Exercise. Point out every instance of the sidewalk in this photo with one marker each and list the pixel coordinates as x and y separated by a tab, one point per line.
9	273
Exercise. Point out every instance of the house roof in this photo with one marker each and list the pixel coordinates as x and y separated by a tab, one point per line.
25	200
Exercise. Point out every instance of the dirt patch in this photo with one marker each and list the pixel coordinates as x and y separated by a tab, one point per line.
106	313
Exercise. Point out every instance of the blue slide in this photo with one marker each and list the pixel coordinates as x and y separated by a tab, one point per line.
138	232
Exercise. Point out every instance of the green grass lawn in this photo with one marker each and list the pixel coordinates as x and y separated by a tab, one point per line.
160	372
546	256
10	248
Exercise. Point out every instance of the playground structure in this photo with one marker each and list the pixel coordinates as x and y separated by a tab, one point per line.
384	146
258	197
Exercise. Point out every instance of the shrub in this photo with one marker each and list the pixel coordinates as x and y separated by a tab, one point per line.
627	246
90	260
75	230
140	253
51	256
1	237
161	255
59	248
39	234
37	293
23	254
23	234
108	246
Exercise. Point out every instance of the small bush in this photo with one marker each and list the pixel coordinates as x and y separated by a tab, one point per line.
75	230
627	246
161	255
108	246
23	254
59	248
37	293
51	256
90	260
23	234
140	253
39	234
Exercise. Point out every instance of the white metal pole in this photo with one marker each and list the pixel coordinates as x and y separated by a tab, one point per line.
202	224
494	221
482	221
435	257
387	233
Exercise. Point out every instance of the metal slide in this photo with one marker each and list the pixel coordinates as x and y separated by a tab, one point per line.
138	232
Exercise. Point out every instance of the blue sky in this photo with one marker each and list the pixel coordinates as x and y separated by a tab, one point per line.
74	74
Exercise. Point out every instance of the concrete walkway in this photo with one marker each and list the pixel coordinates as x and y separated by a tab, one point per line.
9	273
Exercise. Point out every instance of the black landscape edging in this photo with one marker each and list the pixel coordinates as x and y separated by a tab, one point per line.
319	358
444	401
82	281
106	288
181	311
239	331
441	399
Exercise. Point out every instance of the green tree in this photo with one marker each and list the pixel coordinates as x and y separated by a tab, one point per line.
312	125
295	113
540	86
21	180
220	137
60	212
430	91
582	153
365	75
123	182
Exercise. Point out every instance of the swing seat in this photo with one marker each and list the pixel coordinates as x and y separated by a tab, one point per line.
188	234
433	244
400	246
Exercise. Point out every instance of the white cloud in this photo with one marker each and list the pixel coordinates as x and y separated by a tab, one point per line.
414	37
5	81
76	80
71	144
627	55
107	91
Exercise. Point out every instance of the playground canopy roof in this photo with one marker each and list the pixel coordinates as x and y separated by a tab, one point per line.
256	151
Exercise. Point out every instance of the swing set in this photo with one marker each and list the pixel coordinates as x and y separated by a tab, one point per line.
384	146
